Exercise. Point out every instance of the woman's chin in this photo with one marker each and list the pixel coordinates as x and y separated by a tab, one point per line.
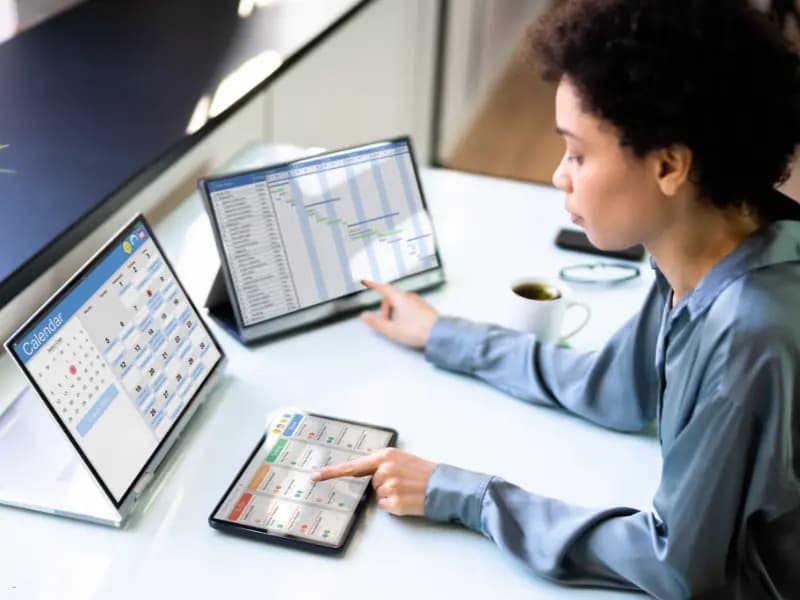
603	242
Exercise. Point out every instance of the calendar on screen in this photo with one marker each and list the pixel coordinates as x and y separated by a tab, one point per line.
118	355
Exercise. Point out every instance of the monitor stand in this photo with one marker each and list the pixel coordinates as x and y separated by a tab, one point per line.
220	308
40	470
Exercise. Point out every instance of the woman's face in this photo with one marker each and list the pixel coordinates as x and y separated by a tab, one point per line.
610	192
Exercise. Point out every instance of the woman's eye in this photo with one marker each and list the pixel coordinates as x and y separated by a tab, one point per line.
575	159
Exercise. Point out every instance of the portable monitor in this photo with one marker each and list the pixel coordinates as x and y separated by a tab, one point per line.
122	360
296	239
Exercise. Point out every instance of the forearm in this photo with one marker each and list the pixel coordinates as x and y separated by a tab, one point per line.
504	358
598	386
614	547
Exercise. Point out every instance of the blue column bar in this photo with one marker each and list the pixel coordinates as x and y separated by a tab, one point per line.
336	231
308	238
359	206
414	207
387	208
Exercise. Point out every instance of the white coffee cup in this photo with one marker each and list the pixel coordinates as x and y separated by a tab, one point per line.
538	305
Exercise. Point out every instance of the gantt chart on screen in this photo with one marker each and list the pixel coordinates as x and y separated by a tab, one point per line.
310	231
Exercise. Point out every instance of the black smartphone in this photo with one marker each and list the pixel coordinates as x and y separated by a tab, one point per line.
572	239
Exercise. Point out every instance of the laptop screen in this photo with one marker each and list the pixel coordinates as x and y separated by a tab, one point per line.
118	355
303	233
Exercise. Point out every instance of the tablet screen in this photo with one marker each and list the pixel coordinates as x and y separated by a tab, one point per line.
274	492
303	233
118	355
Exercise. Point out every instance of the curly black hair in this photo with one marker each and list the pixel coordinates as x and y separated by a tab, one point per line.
714	75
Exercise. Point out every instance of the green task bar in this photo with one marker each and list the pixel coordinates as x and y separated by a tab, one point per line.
276	450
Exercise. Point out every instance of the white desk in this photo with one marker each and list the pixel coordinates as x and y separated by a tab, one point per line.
489	230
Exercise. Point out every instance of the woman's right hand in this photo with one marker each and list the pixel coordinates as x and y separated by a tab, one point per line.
404	317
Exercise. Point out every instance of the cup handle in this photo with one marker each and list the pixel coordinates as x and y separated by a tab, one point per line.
587	313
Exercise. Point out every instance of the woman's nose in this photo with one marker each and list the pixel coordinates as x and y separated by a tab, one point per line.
560	178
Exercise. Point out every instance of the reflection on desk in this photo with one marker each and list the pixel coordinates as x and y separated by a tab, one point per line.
489	230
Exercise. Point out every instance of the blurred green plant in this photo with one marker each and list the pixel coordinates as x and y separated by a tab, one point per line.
3	147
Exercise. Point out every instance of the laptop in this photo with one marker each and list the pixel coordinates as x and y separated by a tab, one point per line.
118	362
296	239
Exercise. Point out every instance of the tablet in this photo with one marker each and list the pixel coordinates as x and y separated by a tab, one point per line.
296	239
273	497
122	360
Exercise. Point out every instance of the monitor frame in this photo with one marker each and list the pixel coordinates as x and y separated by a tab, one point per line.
148	470
330	309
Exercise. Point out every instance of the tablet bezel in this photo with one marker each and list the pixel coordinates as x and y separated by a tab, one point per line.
143	477
333	307
288	539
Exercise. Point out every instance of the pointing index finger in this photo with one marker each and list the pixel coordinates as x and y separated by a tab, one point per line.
355	468
384	289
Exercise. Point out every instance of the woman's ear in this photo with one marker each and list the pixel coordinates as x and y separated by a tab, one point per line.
673	166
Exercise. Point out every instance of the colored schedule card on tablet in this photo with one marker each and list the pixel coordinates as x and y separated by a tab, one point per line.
273	497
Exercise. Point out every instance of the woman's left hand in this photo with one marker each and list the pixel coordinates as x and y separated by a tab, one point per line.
399	478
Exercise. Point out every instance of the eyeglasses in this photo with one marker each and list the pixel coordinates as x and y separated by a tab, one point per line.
599	273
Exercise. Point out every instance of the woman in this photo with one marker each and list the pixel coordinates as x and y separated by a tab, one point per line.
679	119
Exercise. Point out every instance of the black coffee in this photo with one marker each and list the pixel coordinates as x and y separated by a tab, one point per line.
536	291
